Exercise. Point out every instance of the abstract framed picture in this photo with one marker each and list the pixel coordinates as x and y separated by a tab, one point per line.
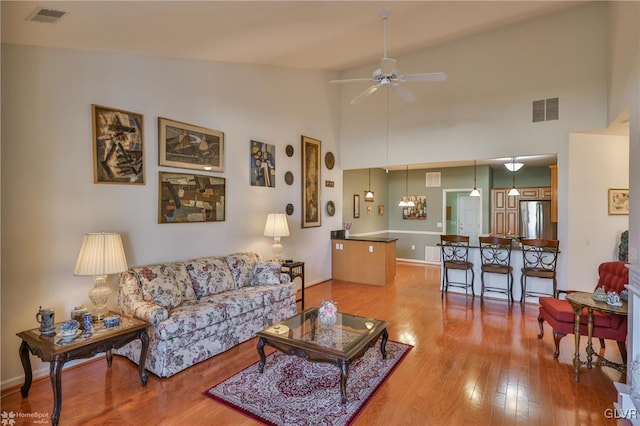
118	146
618	201
189	198
187	146
311	202
262	164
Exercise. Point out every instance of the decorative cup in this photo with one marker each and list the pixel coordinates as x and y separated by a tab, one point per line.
46	319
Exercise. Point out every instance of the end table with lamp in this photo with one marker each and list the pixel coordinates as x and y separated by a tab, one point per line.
295	269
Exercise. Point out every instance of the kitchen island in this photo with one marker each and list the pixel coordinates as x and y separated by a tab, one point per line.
364	260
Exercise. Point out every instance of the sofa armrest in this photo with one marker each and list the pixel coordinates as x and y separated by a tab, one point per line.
284	278
131	302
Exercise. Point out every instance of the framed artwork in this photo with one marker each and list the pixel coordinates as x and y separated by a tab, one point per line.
419	211
380	209
356	206
311	202
618	201
190	147
262	164
188	198
118	146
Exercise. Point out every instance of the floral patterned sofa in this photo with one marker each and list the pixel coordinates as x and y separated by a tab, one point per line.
202	307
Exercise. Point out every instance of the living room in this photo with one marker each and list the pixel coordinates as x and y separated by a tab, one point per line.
50	200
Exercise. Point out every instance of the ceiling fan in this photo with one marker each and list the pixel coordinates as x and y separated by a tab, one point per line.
387	74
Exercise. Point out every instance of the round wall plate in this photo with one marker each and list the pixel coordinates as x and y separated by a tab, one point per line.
288	178
289	150
289	209
331	208
329	160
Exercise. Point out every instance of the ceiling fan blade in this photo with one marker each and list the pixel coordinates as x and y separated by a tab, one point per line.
387	66
406	95
364	94
427	76
350	80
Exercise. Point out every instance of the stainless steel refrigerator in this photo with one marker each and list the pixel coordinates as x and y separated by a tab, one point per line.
535	220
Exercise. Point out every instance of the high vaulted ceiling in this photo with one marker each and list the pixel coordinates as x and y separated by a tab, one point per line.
316	35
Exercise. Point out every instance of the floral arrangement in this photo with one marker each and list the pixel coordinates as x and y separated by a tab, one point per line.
327	313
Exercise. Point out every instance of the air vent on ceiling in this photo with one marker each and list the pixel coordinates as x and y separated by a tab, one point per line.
546	109
41	14
433	179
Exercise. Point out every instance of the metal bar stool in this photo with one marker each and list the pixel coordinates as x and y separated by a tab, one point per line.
540	257
455	255
495	254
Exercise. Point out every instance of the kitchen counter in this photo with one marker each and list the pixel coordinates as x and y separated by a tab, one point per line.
364	260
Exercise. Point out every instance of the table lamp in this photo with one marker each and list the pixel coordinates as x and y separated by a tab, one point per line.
101	254
276	227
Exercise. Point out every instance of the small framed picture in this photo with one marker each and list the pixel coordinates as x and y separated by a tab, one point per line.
618	201
190	147
356	206
118	146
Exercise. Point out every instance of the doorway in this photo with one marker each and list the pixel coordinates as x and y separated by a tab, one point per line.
462	213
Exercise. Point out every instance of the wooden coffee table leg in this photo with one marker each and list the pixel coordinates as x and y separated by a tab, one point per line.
344	374
144	350
383	343
263	359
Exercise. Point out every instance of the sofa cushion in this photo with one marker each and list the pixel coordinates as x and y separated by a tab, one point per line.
241	266
265	273
158	283
239	301
191	315
210	275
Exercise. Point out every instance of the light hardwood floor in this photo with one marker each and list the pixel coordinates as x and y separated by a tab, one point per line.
472	363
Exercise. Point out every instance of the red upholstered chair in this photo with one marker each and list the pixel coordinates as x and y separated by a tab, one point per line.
559	314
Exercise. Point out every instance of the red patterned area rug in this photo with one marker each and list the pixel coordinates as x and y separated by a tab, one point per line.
294	391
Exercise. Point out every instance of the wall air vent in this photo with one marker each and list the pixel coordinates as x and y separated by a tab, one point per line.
546	109
49	16
433	179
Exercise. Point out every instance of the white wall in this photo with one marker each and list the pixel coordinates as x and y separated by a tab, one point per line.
49	200
483	110
598	162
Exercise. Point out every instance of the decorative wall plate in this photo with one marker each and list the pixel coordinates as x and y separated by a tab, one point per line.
288	178
289	150
329	160
289	209
331	208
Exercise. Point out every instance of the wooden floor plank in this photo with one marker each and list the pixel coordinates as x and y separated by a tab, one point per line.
473	362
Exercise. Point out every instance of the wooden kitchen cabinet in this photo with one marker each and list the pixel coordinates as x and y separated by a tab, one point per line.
554	193
504	212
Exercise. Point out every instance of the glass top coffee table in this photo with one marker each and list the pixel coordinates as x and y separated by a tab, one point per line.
344	342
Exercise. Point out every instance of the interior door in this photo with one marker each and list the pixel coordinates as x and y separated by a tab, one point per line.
469	217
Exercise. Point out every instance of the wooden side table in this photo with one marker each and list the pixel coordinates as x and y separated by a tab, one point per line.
295	269
579	301
53	350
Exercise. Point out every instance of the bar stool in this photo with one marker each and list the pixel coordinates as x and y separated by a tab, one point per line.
455	255
495	254
539	257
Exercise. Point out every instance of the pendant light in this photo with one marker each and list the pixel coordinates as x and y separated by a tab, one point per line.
369	195
405	202
513	166
475	192
514	190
